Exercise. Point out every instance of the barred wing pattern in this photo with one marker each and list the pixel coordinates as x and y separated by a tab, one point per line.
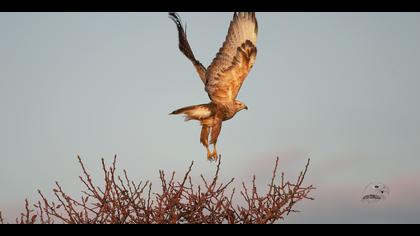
230	67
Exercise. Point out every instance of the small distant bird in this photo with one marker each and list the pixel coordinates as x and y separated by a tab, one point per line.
223	78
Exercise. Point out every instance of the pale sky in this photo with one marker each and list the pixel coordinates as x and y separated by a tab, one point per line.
339	88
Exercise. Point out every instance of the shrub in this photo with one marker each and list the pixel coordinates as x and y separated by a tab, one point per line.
122	201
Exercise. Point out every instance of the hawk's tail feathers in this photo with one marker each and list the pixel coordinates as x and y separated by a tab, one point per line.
196	112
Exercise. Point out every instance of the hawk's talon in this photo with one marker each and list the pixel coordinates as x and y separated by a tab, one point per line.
215	156
212	156
209	155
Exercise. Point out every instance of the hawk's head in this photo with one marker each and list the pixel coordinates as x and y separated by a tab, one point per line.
240	106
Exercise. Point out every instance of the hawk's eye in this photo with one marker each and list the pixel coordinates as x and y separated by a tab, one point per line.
376	186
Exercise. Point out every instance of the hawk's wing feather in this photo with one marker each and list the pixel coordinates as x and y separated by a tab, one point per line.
234	60
185	48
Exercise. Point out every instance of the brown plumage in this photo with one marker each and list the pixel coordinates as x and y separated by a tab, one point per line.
185	48
223	78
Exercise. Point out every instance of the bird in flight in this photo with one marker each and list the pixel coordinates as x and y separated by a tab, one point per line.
223	78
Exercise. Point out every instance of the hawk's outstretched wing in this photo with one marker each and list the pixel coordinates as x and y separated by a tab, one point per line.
225	75
185	48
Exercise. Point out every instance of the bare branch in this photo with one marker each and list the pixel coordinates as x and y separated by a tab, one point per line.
121	201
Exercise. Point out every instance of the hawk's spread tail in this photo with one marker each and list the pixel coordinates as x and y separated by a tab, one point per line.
196	112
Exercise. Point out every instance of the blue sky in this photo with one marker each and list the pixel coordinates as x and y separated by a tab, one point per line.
339	88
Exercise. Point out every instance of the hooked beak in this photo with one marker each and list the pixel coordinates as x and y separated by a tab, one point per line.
246	108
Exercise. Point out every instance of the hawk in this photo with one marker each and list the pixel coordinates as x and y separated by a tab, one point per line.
223	78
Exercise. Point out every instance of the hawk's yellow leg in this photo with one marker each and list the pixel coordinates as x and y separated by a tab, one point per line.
214	154
209	154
